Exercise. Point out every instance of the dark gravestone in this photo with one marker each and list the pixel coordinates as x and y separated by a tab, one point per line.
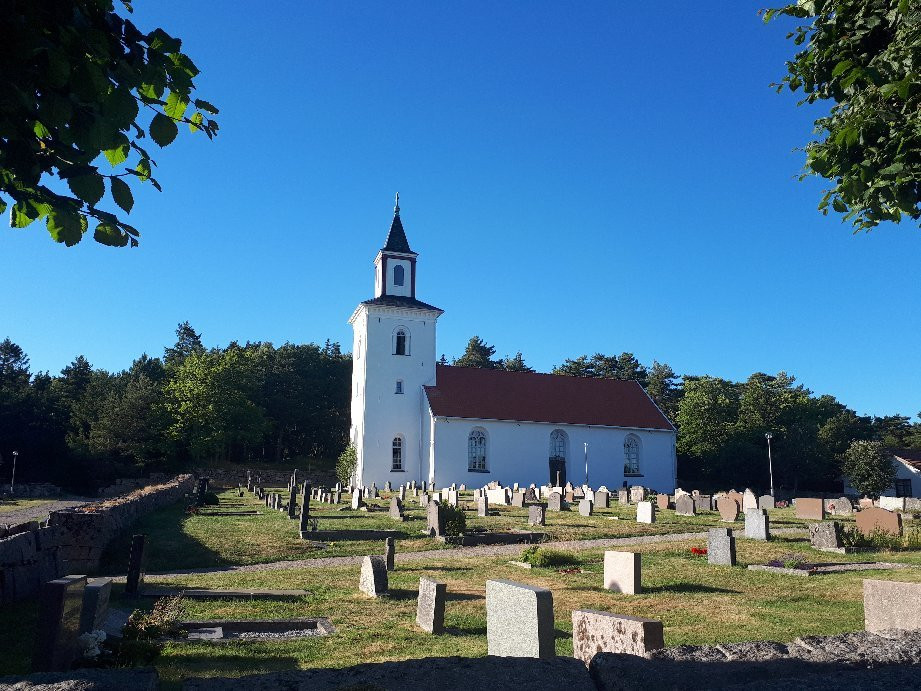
436	521
685	505
389	550
825	535
530	496
60	604
95	604
136	561
292	502
304	526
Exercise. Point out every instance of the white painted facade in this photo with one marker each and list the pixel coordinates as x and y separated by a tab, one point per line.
390	404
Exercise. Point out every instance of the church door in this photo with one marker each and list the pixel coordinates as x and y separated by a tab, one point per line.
557	471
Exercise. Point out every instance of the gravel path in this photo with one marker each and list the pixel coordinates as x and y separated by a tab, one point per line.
40	512
484	551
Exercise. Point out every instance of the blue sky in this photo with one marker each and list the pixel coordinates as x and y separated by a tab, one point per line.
576	177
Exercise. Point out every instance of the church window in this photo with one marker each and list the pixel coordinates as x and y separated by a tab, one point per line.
558	444
397	454
398	275
399	388
401	342
476	451
631	456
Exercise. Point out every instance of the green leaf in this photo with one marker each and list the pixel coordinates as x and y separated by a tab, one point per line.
838	205
143	169
175	105
2	205
40	130
121	193
163	130
841	68
109	234
195	122
161	41
205	106
21	215
893	169
66	226
118	154
903	6
89	187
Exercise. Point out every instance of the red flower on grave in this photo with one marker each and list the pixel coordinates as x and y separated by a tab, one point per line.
698	551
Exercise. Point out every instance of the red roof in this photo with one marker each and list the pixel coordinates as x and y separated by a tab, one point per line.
910	456
470	392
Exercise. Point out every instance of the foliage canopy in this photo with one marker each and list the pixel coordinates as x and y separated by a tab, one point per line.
868	467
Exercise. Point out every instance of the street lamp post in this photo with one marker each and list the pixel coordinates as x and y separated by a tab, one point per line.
13	479
586	462
768	436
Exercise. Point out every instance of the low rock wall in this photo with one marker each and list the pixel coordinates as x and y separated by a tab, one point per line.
83	533
124	485
35	490
28	559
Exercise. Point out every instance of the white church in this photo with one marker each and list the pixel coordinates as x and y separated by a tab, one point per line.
413	419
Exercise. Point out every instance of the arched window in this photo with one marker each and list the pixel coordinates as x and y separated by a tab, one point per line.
397	454
558	444
398	275
400	343
476	451
631	456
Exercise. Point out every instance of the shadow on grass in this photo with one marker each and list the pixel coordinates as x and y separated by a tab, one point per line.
685	588
472	631
433	568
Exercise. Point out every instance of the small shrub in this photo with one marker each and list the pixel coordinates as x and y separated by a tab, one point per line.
878	540
162	620
455	520
543	556
345	464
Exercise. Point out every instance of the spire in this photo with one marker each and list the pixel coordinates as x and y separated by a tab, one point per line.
396	239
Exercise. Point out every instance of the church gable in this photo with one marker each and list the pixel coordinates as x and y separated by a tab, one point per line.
469	392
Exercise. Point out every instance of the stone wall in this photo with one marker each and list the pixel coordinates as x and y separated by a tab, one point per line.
27	559
83	533
35	490
124	485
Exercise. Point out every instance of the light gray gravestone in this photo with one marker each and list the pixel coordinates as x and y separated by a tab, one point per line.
537	514
388	487
402	493
585	507
373	579
95	604
637	494
623	497
518	499
136	561
825	535
436	521
891	605
721	547
357	502
757	524
602	499
59	607
766	501
482	507
623	572
389	549
555	502
603	632
396	508
841	506
424	500
519	620
749	500
645	512
430	607
684	505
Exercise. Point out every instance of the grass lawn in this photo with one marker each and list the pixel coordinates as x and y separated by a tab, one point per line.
180	541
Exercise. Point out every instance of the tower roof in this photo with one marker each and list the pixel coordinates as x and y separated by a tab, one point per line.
396	238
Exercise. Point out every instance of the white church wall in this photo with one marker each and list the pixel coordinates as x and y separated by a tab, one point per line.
519	452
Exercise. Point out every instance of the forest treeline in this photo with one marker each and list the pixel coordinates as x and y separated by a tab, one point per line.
258	403
243	403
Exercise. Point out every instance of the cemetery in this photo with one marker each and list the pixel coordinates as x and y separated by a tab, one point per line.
251	588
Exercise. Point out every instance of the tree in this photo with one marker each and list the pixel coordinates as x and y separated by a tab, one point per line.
478	354
580	367
516	364
706	419
863	56
345	465
661	386
78	82
868	467
187	342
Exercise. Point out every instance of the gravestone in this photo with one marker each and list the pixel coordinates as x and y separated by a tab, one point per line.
402	493
357	501
602	632
810	508
436	521
602	499
430	606
389	549
518	500
865	503
702	502
637	494
737	496
765	501
585	507
892	503
623	497
749	500
396	508
645	512
662	501
292	502
335	497
889	605
757	526
721	547
555	502
684	505
530	496
95	604
462	488
825	535
373	579
482	507
451	497
519	620
388	487
424	500
537	514
304	526
841	506
59	607
880	520
136	561
728	508
623	572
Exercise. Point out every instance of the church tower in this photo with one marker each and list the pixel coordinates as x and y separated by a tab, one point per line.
393	357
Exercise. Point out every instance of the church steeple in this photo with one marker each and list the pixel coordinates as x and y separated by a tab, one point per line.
395	264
